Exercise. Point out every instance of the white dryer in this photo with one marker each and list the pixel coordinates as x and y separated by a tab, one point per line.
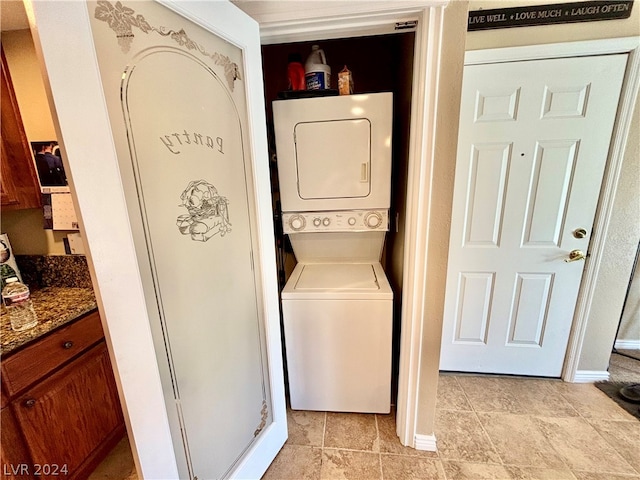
334	153
334	168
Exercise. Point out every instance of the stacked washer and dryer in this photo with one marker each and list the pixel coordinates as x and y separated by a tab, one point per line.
334	167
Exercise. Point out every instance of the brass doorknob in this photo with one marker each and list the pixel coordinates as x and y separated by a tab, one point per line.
575	255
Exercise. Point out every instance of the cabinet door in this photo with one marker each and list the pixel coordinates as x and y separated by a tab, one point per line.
8	194
66	417
19	186
14	458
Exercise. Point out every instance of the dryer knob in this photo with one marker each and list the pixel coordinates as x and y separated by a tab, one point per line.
316	222
373	220
326	221
352	221
297	222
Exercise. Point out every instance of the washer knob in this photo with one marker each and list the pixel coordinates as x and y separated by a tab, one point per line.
352	221
297	222
316	222
326	221
373	220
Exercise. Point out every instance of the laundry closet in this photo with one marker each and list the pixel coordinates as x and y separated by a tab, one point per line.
380	65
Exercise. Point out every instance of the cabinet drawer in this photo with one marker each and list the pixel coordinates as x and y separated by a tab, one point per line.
45	355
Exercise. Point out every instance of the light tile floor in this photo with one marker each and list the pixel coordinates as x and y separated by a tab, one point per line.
486	428
118	465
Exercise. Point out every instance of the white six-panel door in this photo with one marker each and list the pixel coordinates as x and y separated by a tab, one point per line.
532	148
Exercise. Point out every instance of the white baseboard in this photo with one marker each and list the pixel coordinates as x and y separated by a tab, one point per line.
426	442
590	376
627	344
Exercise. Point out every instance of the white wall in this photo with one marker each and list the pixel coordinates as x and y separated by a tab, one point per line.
25	227
624	230
629	333
627	218
450	86
617	261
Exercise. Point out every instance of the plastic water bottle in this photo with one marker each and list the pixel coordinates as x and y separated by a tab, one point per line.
317	72
17	300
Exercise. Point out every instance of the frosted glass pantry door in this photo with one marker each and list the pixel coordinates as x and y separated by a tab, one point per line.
177	101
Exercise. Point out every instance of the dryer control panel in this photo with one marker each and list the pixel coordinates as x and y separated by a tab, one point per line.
336	221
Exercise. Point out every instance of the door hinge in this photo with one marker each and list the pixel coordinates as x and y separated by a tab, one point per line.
408	25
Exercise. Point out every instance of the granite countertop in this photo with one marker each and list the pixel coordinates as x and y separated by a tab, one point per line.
54	306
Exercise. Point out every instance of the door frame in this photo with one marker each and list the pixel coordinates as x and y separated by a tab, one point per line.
98	195
287	22
598	244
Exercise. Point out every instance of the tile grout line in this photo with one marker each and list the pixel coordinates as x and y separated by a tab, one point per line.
455	377
586	420
578	415
549	442
569	402
444	470
502	462
557	451
375	417
464	393
613	447
560	456
324	432
475	413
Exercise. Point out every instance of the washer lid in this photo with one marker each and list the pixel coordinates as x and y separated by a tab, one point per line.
342	276
337	281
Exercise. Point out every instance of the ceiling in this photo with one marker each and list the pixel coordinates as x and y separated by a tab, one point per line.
12	15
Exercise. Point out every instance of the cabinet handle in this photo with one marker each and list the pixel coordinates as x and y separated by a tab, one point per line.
30	403
67	345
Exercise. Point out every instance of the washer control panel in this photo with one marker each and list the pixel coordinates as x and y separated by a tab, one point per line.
336	221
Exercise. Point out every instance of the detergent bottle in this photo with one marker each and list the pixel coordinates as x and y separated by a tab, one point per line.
317	72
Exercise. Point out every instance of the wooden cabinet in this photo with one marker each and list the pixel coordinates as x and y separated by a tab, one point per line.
13	448
19	187
49	353
67	418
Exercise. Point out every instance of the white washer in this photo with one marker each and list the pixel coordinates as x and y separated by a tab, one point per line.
338	327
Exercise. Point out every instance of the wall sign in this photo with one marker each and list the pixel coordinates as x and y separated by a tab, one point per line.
549	14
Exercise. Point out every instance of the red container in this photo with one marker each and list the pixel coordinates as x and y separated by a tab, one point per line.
295	72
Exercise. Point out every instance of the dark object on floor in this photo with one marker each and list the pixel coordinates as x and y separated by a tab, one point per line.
631	393
612	390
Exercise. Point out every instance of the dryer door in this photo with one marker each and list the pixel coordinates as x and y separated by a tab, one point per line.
333	159
334	153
